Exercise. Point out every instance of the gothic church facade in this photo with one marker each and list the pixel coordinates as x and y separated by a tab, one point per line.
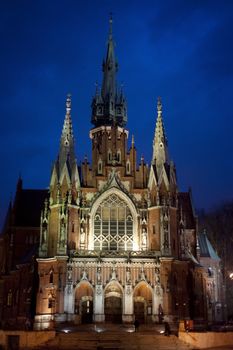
117	240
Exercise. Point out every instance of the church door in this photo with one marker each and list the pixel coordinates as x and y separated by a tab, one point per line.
87	311
113	309
139	311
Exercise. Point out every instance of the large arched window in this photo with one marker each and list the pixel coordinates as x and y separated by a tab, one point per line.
113	225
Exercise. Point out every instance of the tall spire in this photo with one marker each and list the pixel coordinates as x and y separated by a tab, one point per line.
160	148
67	152
109	67
109	108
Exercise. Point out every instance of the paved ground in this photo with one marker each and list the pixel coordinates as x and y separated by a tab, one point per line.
116	337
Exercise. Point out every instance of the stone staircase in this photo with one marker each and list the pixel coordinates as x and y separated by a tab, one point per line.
118	340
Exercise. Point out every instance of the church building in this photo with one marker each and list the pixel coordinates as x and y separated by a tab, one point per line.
117	241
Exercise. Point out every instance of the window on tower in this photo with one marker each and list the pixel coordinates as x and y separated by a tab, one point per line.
109	156
100	167
128	167
119	156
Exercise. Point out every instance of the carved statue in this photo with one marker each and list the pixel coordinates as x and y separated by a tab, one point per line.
62	233
128	275
82	235
84	275
44	234
98	275
144	237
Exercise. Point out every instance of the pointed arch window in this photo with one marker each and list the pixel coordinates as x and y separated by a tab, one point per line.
109	156
113	225
119	156
100	166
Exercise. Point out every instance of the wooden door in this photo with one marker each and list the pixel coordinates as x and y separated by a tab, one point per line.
87	311
139	311
113	309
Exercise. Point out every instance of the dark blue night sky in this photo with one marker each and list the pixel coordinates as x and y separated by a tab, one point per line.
179	50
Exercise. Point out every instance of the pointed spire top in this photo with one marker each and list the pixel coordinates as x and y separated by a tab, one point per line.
110	26
159	106
132	142
67	138
110	106
67	131
160	149
68	104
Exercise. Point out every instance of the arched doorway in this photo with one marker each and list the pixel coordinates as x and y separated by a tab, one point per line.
113	303
84	302
143	303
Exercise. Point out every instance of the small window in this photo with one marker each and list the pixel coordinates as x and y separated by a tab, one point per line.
119	156
109	156
154	232
128	167
72	228
100	167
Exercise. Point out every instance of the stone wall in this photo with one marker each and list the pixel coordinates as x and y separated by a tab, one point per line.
26	339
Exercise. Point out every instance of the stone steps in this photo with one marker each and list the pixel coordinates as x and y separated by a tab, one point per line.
114	341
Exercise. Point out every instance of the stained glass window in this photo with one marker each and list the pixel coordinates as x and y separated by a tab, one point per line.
113	225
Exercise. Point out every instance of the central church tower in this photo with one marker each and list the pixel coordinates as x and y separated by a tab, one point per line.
118	241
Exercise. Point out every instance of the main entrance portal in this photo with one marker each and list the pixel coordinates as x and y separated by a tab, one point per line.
113	304
113	309
139	310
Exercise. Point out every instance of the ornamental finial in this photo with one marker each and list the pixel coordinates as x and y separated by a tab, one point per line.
110	25
159	105
68	103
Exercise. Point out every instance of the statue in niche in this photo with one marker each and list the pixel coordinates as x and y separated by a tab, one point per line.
84	274
62	232
157	276
44	234
69	273
114	273
142	274
82	235
144	238
128	275
98	275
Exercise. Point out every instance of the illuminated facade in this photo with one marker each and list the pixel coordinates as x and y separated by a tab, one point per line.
117	240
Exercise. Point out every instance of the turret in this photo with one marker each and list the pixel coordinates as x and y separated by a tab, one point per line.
160	147
65	176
